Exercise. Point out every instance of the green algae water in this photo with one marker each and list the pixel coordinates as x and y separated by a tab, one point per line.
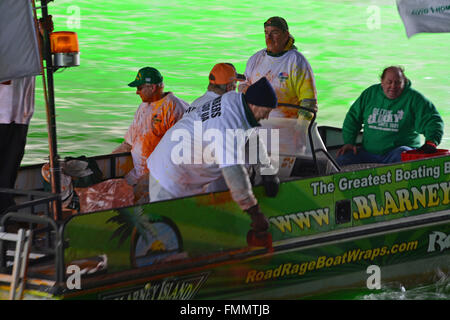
347	43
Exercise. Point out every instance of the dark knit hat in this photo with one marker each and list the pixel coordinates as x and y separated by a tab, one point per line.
262	94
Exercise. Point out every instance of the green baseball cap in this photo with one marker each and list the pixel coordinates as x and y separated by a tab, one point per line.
147	75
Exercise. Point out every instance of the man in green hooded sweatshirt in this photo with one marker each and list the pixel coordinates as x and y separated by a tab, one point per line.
394	115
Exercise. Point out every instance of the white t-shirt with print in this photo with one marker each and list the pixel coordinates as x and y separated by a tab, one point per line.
290	75
192	152
200	101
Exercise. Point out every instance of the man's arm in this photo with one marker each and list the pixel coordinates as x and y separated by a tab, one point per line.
429	122
305	83
351	127
237	180
353	122
243	85
124	147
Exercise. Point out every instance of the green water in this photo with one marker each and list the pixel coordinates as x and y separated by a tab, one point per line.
343	41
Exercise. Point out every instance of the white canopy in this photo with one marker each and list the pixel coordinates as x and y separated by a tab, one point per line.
424	15
19	51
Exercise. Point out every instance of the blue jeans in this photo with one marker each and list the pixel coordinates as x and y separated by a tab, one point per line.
362	156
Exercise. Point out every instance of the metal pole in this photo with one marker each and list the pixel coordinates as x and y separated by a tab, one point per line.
55	169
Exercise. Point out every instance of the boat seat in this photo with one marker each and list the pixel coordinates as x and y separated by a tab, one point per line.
295	152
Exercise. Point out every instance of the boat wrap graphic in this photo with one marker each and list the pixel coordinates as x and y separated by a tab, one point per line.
314	237
181	288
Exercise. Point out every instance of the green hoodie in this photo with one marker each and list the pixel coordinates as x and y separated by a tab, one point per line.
390	123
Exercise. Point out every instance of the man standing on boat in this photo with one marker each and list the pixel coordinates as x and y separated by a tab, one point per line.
222	79
394	115
176	174
16	110
158	112
284	66
291	76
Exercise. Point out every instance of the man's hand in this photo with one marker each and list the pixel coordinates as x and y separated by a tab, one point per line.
271	185
259	221
46	24
428	147
345	148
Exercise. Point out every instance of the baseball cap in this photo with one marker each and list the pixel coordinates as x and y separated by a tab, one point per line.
147	75
223	73
239	76
262	94
278	22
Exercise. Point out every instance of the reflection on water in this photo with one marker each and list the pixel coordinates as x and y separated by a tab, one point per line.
432	287
439	290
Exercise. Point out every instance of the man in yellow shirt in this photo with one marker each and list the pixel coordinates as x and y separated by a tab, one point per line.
284	66
291	77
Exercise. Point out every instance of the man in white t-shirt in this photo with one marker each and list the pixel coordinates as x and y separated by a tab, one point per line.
222	79
284	66
201	148
16	110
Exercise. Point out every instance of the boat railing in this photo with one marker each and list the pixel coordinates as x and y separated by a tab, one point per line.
112	166
315	145
32	201
47	245
315	150
333	140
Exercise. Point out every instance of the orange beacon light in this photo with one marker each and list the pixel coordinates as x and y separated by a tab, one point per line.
65	50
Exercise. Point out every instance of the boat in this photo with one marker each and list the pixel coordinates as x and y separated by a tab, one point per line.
327	230
331	229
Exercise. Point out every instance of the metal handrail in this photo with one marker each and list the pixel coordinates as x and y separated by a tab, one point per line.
44	198
52	228
313	150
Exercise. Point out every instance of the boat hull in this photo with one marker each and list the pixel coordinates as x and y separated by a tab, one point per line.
329	233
